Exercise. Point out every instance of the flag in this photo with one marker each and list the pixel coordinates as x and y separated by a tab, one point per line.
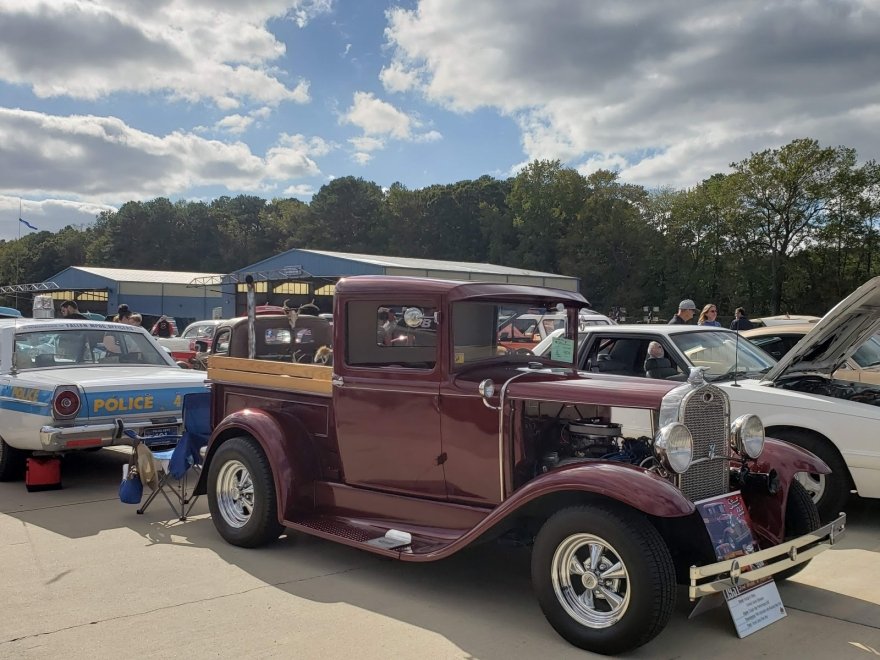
27	224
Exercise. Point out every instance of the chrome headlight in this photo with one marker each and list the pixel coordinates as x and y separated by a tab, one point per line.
486	388
747	435
674	447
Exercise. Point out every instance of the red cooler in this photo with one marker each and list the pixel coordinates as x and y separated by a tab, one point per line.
43	474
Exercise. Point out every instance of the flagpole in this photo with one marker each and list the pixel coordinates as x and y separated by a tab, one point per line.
18	253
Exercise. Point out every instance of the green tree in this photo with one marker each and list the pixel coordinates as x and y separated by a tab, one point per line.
786	194
349	214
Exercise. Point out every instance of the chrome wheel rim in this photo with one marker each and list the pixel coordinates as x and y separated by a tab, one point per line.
590	581
813	483
235	494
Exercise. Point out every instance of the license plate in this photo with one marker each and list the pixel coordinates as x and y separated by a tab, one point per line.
159	431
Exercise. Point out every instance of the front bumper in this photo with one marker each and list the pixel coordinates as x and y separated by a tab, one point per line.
66	438
730	573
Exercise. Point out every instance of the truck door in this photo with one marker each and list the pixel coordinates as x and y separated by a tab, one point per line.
386	397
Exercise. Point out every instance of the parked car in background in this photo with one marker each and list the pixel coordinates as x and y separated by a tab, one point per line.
64	382
184	347
800	399
863	366
783	319
274	339
525	327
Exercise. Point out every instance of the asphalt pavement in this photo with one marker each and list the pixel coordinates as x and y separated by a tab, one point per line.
84	576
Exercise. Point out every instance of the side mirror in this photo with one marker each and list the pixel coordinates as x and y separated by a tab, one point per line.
201	346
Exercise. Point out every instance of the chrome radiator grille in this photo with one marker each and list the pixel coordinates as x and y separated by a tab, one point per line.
706	413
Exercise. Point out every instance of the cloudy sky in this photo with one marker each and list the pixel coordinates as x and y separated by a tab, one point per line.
104	101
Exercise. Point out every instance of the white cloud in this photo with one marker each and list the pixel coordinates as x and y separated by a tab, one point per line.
235	124
430	136
261	113
381	121
668	92
397	78
104	158
300	190
365	143
377	117
48	214
194	50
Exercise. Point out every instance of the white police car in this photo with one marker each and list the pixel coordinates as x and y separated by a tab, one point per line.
63	383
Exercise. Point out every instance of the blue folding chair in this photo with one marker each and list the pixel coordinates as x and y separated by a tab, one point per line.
174	464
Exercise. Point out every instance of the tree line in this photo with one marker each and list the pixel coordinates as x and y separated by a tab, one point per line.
791	229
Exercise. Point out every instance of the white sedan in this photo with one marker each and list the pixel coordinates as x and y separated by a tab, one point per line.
63	383
798	399
184	346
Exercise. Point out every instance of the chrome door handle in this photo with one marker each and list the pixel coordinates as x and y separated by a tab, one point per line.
336	381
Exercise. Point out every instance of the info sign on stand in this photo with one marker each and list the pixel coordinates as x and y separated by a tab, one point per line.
752	605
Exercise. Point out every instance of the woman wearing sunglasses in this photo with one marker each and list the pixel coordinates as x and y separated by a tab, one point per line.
709	316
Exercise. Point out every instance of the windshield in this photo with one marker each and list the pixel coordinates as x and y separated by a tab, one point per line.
722	355
869	354
497	331
200	331
69	348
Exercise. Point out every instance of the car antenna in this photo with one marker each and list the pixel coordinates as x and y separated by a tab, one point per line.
736	359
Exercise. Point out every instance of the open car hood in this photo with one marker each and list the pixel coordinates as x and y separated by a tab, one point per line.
839	334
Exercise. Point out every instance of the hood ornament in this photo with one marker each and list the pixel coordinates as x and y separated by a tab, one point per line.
696	377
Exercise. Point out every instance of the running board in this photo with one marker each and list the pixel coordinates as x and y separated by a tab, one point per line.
367	535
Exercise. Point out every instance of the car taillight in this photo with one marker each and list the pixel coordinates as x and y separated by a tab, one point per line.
66	403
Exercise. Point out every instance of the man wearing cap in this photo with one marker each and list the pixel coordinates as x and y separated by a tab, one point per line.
686	310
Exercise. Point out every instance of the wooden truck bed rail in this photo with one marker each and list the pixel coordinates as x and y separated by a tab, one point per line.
289	376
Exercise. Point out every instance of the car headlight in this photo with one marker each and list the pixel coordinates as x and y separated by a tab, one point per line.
747	435
674	447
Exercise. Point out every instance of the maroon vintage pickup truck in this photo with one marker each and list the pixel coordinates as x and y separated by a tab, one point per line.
425	436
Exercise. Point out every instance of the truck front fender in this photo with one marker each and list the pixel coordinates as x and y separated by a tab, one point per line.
287	445
628	484
767	510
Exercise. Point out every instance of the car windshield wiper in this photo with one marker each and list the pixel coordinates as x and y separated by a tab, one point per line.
730	375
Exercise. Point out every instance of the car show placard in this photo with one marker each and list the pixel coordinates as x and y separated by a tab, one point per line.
752	605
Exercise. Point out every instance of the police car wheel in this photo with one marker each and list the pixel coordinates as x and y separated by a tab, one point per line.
241	494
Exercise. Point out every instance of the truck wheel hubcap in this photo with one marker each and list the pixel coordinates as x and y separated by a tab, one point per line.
235	493
590	580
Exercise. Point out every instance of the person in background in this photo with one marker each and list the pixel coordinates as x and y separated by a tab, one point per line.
655	350
136	319
123	314
162	327
709	316
70	310
740	320
686	311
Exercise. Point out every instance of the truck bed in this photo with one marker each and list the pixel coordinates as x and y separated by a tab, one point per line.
288	376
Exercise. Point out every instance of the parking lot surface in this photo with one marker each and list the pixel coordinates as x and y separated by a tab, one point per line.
84	576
